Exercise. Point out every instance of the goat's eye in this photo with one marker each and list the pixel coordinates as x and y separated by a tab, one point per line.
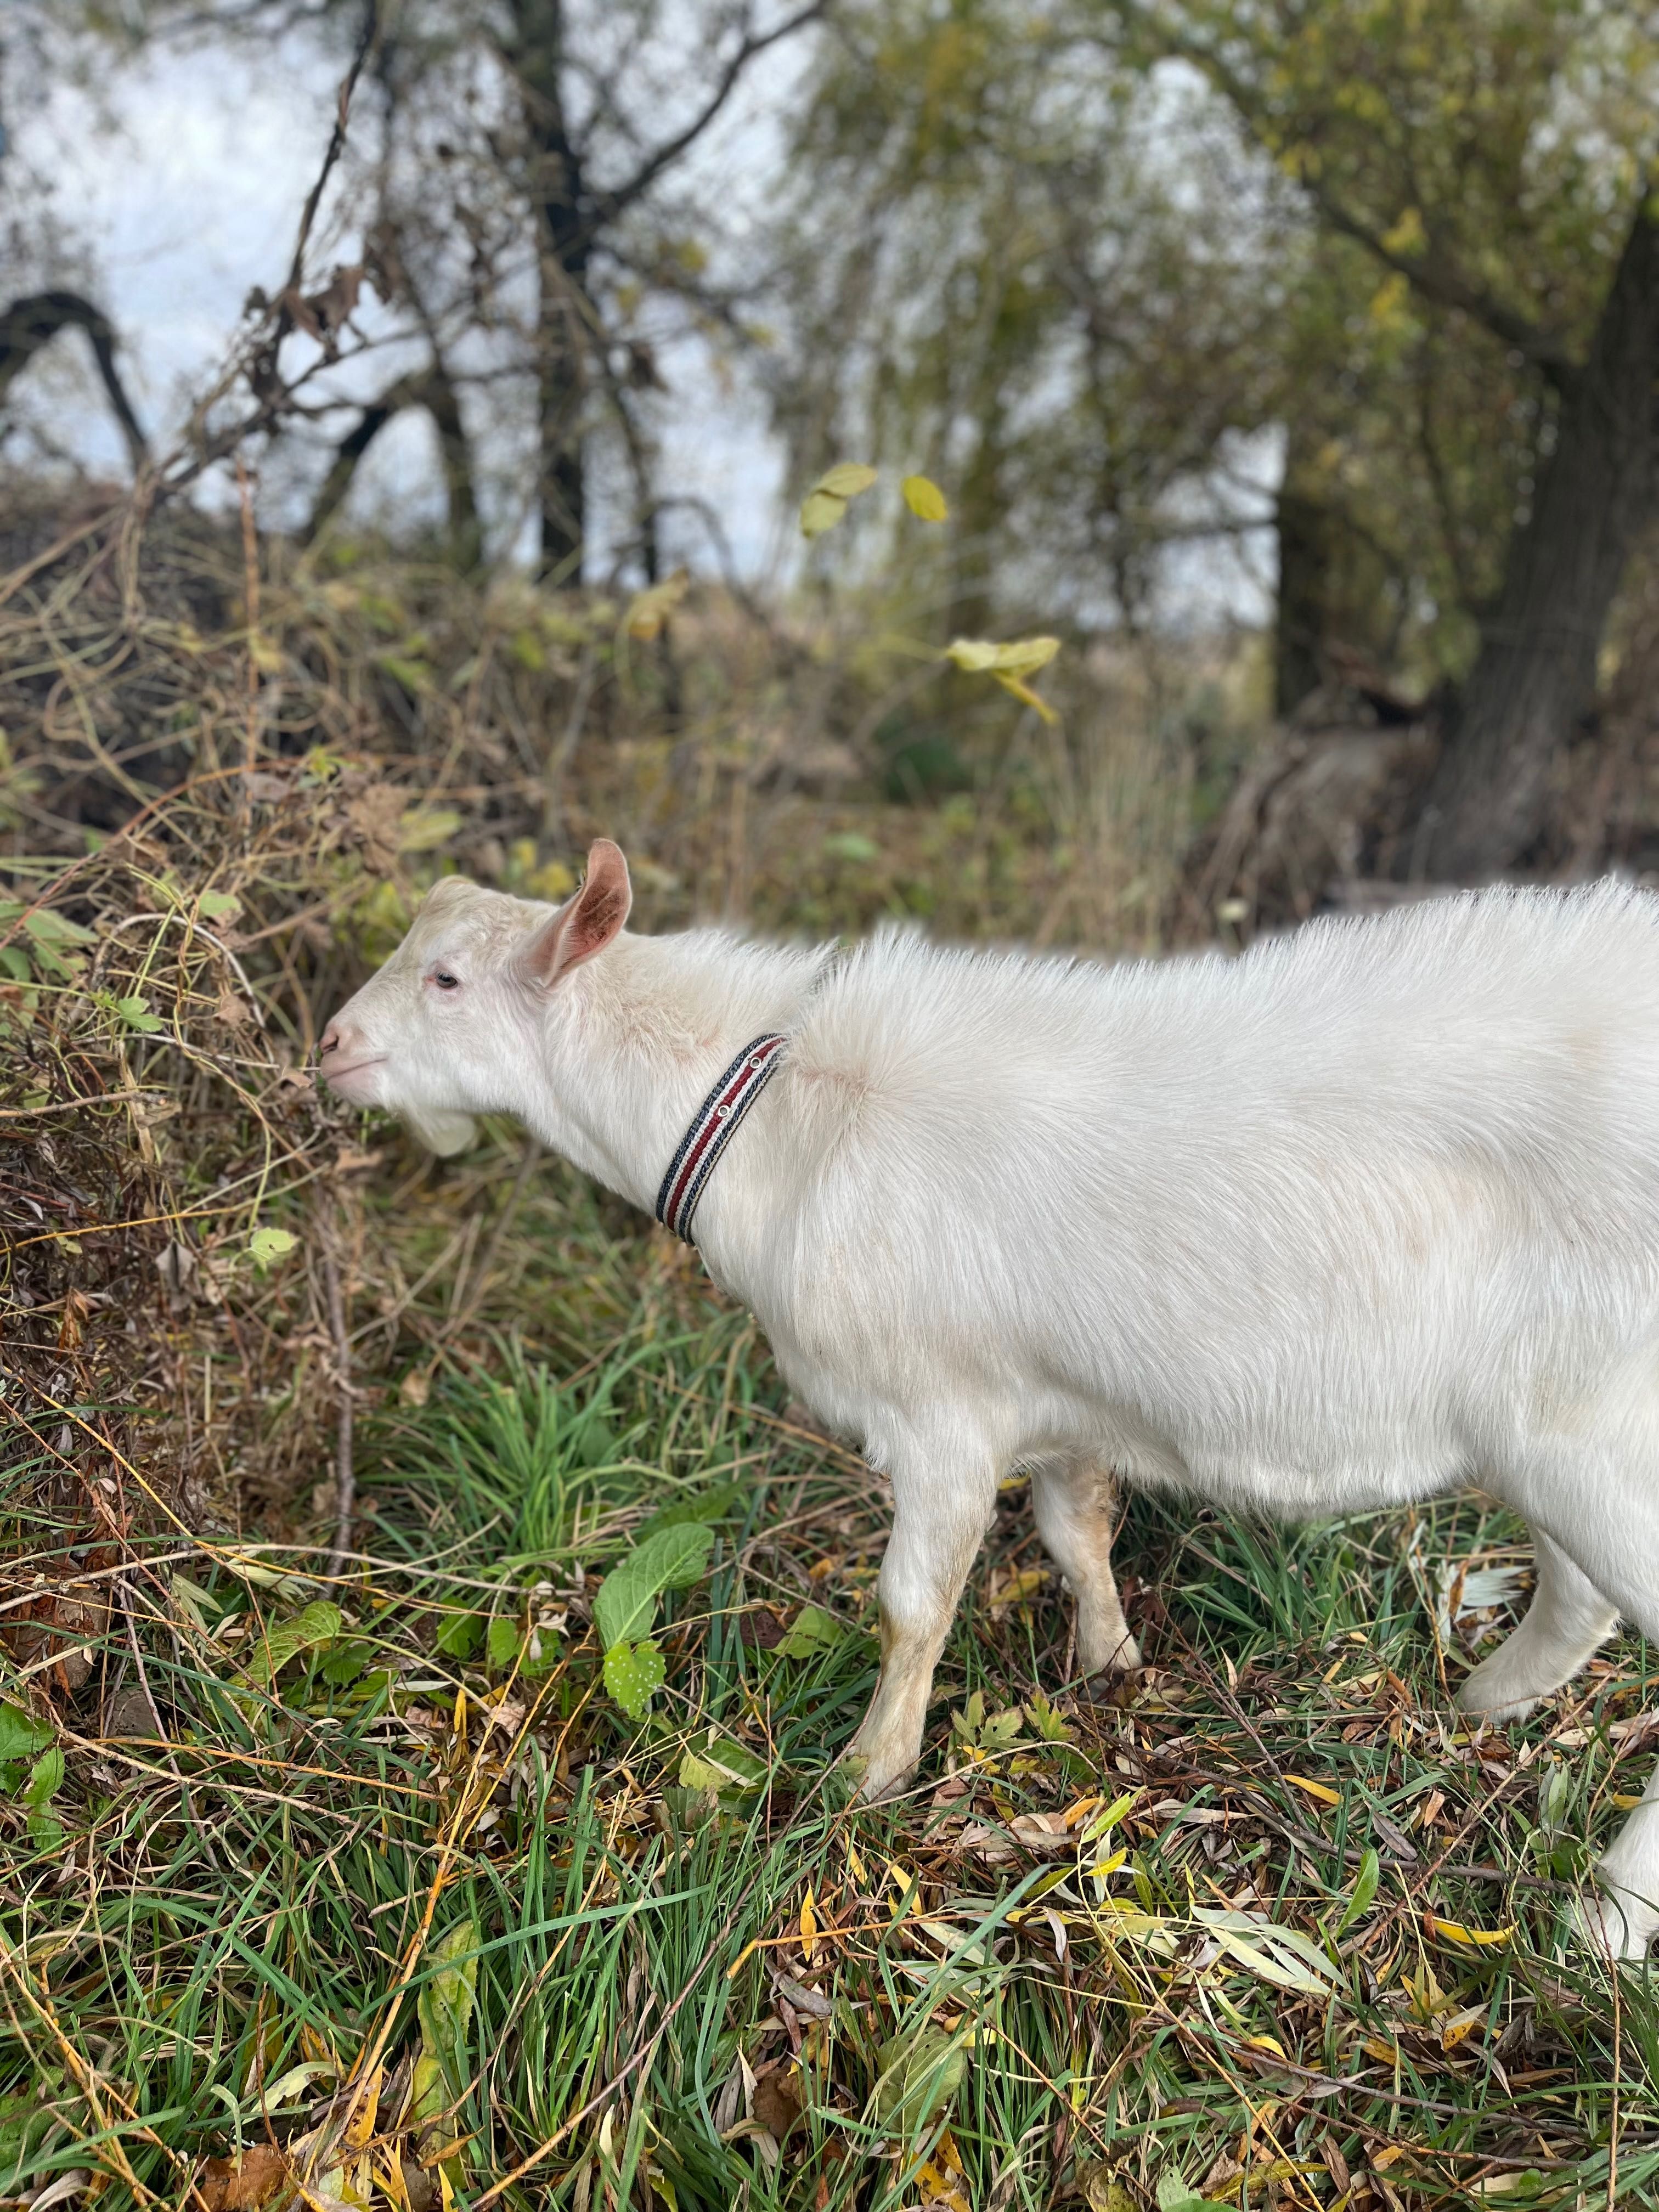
445	981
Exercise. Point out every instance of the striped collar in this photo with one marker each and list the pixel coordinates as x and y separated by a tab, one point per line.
712	1129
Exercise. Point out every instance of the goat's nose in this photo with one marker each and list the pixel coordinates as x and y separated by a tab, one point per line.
329	1041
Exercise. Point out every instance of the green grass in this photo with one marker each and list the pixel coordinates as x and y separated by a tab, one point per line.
263	1900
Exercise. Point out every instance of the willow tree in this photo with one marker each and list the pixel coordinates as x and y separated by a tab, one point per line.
1493	166
996	275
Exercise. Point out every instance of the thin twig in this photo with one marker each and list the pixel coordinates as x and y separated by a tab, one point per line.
345	1480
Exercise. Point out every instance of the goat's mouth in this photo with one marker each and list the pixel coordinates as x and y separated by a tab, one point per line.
334	1075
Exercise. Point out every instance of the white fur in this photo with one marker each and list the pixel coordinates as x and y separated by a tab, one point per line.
1368	1214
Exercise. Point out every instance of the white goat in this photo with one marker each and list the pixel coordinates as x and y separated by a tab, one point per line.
1365	1215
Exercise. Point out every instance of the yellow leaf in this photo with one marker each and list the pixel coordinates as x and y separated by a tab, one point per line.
264	654
1319	1790
1026	697
846	480
552	881
424	828
808	1928
1408	236
1388	301
649	610
1458	1934
820	511
925	500
1022	656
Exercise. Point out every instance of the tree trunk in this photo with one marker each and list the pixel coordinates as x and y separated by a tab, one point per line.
561	336
1534	675
564	316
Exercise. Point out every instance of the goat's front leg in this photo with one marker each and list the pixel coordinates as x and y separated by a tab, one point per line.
940	1517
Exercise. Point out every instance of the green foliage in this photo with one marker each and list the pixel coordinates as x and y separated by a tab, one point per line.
625	1609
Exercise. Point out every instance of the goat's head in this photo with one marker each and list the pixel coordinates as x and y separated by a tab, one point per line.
441	1031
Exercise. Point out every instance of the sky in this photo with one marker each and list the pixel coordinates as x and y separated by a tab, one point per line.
183	182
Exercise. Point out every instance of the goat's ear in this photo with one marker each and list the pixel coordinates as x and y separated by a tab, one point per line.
587	924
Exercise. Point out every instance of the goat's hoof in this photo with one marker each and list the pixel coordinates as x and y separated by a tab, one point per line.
1614	1932
1122	1657
1493	1693
873	1779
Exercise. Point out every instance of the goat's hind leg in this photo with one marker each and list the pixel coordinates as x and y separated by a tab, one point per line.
1568	1618
1075	1505
1599	1495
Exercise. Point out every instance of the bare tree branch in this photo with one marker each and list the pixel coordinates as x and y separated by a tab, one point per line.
29	323
612	202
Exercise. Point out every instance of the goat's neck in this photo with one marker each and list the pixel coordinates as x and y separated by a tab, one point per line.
635	1043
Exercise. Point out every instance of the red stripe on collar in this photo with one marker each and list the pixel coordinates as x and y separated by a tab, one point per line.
712	1128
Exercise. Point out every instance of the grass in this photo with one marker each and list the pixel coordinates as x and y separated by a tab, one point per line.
1013	1987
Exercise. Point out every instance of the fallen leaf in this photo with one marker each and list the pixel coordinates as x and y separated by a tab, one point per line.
1322	1790
808	1928
1482	1937
230	2185
777	2103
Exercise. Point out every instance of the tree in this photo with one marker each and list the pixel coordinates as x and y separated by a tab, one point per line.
996	274
535	163
1493	166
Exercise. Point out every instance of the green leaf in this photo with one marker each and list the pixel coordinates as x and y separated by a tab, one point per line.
920	2075
925	500
632	1673
820	511
672	1559
45	1779
136	1014
445	2002
318	1623
850	845
1284	1956
348	1658
719	1764
216	905
706	1506
1364	1888
458	1638
811	1630
501	1641
429	2092
20	1735
266	1246
47	927
1174	2194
